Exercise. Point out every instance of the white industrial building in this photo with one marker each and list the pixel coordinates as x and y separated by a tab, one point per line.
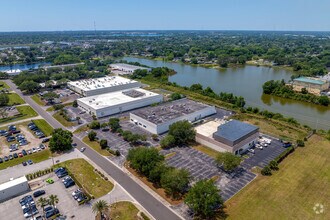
90	87
13	72
13	188
157	119
227	136
124	68
117	102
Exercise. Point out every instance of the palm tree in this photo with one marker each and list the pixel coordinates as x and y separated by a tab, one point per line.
52	200
42	202
100	206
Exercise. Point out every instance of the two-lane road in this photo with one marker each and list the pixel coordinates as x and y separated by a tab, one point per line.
157	209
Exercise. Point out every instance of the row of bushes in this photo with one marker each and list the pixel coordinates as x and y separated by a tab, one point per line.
39	173
273	165
101	174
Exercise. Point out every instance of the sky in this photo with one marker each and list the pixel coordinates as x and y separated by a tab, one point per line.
59	15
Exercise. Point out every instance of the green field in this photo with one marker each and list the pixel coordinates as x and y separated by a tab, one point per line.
84	173
37	99
290	193
123	211
36	157
96	146
43	126
15	99
64	122
25	112
3	85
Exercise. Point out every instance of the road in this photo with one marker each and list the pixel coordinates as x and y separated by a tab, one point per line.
157	209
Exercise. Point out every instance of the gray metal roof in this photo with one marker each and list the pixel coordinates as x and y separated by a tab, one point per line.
234	130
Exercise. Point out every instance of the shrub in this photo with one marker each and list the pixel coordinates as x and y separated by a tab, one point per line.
284	154
103	144
92	135
117	153
95	125
300	143
273	165
266	171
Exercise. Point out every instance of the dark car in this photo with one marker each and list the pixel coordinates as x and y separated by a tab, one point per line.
30	162
81	197
25	199
45	140
15	155
51	213
38	193
24	163
42	146
5	158
69	183
24	152
15	132
10	157
48	208
60	169
10	138
62	174
1	161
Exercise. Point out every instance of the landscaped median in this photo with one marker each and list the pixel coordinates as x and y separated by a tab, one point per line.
96	146
85	176
35	157
15	99
43	126
37	99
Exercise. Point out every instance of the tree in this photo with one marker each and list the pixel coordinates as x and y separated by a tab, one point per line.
266	171
300	143
29	86
144	159
100	207
175	96
61	140
42	202
175	182
157	172
95	125
228	161
182	131
273	165
50	96
4	99
114	124
75	104
104	126
53	200
103	143
204	199
92	135
324	100
167	141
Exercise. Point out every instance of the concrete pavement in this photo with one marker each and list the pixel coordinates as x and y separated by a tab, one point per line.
157	209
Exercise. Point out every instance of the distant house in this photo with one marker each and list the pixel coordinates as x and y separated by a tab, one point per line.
313	85
13	72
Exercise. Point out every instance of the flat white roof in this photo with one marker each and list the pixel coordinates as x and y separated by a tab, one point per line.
115	98
207	129
99	83
126	67
13	182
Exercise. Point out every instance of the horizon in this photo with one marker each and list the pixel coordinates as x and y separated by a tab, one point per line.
78	15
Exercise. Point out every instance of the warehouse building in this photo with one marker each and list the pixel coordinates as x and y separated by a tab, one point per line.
157	119
124	68
117	102
313	85
90	87
13	188
231	136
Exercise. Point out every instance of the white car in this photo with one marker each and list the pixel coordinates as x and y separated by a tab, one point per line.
28	205
259	147
251	151
66	178
38	149
82	149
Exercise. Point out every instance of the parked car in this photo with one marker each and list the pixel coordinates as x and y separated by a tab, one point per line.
69	184
10	157
66	178
259	147
34	211
2	132
24	152
34	150
1	161
60	169
29	152
45	140
251	150
25	199
15	155
81	197
50	181
10	138
38	149
51	213
82	149
38	193
42	146
76	192
28	204
23	143
15	132
5	158
24	163
30	162
62	174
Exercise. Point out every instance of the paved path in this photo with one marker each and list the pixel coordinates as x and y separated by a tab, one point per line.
20	121
157	209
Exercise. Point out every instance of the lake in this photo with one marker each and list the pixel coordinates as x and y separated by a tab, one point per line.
247	81
23	66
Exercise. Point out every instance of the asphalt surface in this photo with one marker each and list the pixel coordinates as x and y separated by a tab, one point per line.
151	204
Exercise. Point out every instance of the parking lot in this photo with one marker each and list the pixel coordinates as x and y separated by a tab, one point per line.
262	157
67	206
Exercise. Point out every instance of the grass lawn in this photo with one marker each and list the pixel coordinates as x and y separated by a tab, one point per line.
36	157
44	126
15	99
51	108
96	146
37	100
84	173
206	150
290	193
64	122
26	112
3	85
123	211
81	129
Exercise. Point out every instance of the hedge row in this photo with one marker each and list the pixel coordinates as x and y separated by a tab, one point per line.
39	173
